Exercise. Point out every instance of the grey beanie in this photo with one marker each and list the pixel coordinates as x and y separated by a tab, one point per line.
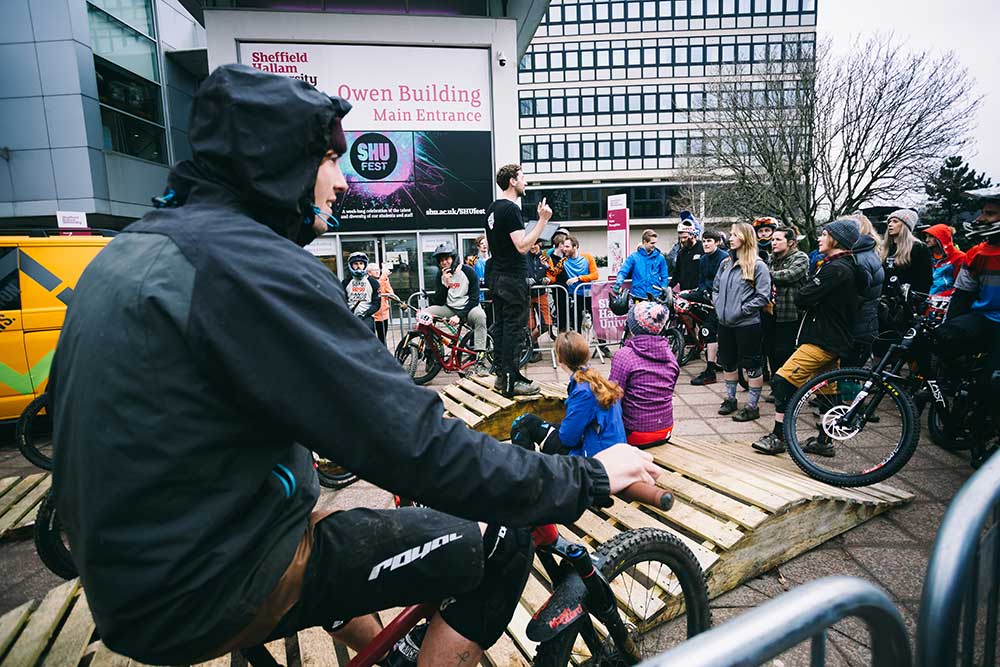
845	232
907	216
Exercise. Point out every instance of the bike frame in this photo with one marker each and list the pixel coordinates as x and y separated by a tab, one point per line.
451	341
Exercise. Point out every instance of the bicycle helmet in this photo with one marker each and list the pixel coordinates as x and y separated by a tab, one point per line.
686	226
766	221
357	257
618	303
984	230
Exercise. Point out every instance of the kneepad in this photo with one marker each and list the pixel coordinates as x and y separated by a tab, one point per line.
783	390
482	615
754	372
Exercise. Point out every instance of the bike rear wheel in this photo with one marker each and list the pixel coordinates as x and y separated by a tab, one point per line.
676	339
34	433
871	448
945	437
415	354
641	565
50	541
525	346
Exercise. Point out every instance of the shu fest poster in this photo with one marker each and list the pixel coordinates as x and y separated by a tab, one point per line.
419	135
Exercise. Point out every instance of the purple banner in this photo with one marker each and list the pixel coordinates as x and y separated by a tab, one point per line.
607	325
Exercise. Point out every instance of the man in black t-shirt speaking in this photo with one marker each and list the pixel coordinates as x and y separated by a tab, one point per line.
507	276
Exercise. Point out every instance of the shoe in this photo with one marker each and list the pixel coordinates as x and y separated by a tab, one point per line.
769	444
747	414
498	385
820	447
524	389
703	378
482	366
728	406
536	356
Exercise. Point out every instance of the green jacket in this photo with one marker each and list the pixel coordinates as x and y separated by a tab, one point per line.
788	274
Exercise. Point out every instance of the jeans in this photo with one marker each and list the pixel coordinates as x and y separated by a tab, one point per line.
511	299
475	319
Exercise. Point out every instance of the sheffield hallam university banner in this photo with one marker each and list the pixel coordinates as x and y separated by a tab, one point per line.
420	133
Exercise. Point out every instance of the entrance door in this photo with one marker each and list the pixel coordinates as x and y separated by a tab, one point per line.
400	254
428	243
350	244
467	245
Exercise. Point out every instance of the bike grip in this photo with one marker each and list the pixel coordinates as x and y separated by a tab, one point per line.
649	494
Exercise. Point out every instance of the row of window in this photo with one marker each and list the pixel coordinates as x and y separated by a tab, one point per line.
742	49
609	146
654	201
676	25
588	11
128	77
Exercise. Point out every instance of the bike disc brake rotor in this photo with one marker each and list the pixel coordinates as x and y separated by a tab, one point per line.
831	427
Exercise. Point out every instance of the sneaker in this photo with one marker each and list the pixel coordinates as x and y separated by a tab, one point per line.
498	385
728	406
482	366
524	389
703	378
820	447
747	414
769	444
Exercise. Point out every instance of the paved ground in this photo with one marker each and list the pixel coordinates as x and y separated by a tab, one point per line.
891	550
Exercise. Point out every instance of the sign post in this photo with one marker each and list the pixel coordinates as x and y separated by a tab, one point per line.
617	232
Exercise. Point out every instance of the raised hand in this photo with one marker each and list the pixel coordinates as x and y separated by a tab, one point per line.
544	212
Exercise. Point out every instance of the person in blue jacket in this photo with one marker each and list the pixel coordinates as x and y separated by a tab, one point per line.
593	419
647	267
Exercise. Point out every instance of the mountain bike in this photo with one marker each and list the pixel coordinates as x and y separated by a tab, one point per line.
672	332
33	432
859	426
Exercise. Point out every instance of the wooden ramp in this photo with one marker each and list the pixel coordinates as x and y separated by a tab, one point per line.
740	513
19	501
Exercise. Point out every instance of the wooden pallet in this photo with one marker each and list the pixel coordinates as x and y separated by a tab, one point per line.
740	513
19	501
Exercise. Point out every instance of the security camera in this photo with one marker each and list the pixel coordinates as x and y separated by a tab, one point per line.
502	59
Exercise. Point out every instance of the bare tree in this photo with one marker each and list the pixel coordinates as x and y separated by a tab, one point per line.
815	136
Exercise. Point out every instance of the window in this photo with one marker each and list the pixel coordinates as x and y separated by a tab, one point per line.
123	91
125	134
135	13
527	108
121	45
527	153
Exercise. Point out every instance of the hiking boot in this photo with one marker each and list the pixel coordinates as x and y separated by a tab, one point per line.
498	384
523	389
769	444
705	377
728	406
818	446
747	414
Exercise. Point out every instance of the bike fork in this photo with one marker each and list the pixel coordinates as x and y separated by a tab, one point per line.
602	604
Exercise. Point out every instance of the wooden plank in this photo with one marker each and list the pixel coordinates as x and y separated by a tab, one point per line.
29	500
73	637
470	418
221	661
277	650
470	401
12	622
632	517
20	488
711	500
6	484
28	519
485	393
713	475
700	523
504	653
105	657
42	623
596	527
517	628
316	648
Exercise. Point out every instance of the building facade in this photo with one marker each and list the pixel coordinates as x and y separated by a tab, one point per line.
94	99
614	96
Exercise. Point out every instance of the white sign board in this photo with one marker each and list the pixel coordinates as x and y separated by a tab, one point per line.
323	247
71	219
390	87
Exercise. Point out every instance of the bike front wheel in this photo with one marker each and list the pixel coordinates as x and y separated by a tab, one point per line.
50	541
415	354
655	578
34	433
676	339
850	427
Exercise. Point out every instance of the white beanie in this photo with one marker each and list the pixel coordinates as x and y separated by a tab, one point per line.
907	216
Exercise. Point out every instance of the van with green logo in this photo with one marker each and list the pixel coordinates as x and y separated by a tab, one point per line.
37	277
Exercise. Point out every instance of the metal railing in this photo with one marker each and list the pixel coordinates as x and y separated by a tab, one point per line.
962	574
804	613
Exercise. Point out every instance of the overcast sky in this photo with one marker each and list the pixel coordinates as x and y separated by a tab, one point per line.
970	28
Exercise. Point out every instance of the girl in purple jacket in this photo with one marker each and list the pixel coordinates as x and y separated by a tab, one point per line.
646	370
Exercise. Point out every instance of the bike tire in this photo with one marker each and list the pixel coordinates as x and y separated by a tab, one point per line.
525	346
621	553
31	435
50	542
676	340
941	435
411	353
333	476
898	455
468	343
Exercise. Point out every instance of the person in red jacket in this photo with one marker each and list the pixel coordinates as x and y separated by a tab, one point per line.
946	259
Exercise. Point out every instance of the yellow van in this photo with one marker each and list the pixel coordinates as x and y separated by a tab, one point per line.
37	278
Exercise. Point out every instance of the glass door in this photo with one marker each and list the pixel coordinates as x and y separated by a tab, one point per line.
467	245
399	254
429	268
351	244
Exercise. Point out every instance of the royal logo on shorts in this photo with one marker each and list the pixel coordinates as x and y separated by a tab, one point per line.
410	555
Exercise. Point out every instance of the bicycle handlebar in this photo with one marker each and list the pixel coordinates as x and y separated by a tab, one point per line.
647	493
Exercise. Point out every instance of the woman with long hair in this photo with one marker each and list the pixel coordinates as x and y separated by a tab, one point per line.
867	253
903	254
593	419
742	289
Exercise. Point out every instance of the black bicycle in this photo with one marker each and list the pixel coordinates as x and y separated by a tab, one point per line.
672	331
859	426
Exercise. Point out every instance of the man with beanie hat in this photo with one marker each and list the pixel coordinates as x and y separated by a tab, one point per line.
647	371
830	302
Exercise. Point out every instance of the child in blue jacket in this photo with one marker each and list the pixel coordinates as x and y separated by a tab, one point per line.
593	419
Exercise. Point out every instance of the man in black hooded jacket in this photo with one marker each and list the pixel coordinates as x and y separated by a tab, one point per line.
202	345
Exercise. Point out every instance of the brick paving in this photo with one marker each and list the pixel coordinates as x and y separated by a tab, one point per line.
890	550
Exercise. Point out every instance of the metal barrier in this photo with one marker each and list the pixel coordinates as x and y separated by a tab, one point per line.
806	612
964	569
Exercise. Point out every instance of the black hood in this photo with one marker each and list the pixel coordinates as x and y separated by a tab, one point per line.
258	139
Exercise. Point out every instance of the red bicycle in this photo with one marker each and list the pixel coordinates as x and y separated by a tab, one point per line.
607	608
435	345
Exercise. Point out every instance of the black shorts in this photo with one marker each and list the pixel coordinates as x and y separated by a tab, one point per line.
365	560
739	347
